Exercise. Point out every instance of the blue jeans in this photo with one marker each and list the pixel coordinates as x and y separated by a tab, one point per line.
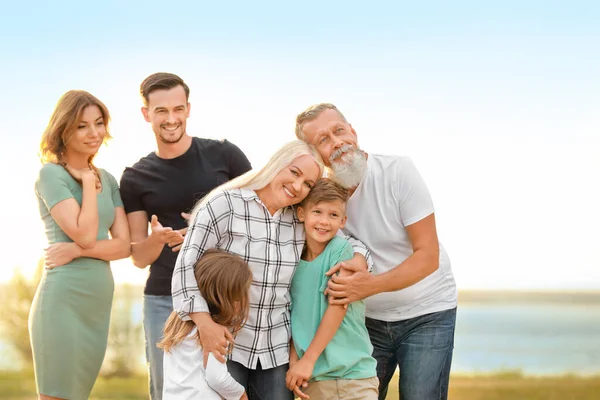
422	349
156	311
261	384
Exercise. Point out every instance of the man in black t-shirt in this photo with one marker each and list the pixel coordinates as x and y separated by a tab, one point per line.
160	189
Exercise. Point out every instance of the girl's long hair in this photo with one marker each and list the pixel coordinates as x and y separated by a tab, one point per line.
224	281
258	179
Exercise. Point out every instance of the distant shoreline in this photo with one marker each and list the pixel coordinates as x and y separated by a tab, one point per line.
480	296
529	296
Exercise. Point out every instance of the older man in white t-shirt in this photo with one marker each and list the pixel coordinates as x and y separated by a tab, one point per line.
411	295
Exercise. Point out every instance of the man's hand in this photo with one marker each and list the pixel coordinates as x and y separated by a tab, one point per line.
176	240
357	284
298	376
162	234
60	254
214	337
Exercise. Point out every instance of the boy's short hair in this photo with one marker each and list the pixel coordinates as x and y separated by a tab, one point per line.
325	190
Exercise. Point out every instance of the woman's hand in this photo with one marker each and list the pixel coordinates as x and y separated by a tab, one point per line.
80	174
214	337
60	254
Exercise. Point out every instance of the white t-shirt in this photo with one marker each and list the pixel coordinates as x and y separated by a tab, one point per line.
391	196
185	377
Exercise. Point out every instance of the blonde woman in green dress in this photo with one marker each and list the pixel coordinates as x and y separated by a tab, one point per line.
79	205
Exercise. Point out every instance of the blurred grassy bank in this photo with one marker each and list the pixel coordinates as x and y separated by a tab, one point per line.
501	386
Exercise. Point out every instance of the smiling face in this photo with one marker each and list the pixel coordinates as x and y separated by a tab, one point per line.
328	133
322	220
89	133
291	185
167	112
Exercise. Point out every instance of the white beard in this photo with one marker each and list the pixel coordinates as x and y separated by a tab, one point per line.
350	170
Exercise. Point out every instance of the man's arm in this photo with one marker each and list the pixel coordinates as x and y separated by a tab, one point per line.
145	249
422	263
362	255
238	162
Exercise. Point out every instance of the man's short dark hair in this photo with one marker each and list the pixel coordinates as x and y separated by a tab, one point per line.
161	81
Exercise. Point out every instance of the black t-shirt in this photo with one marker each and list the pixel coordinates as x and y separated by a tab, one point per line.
168	187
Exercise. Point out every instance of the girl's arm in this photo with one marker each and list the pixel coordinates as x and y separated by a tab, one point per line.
221	381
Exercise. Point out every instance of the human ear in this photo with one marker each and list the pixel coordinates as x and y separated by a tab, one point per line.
145	114
343	221
300	212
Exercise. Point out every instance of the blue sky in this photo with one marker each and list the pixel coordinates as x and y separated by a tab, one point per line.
497	104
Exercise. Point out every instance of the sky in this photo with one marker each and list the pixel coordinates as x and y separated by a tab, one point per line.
497	103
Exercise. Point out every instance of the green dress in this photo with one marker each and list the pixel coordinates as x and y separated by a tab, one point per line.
70	314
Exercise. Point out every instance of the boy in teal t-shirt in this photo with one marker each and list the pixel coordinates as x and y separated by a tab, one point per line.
330	346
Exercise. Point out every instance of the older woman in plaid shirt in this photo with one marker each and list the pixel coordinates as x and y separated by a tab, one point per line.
252	216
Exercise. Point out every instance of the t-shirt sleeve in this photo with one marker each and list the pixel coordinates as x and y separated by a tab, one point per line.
114	190
130	195
221	381
341	250
52	186
238	162
413	196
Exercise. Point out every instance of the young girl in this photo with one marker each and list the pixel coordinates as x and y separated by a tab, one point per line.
224	280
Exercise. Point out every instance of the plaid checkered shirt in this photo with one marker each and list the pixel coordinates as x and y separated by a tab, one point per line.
238	222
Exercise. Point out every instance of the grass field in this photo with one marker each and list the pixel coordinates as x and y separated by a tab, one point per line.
502	386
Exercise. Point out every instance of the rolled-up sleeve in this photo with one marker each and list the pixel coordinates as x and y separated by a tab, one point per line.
360	248
204	233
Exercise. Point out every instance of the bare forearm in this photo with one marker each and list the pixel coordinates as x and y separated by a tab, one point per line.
87	220
293	353
415	268
108	250
145	252
331	321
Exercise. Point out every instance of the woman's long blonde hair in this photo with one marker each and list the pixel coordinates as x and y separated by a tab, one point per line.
224	281
64	121
258	179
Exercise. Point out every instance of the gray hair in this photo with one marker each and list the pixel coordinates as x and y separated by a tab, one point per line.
310	114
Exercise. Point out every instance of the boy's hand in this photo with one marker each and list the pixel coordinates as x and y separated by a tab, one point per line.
298	376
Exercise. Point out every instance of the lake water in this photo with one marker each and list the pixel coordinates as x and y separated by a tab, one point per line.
533	337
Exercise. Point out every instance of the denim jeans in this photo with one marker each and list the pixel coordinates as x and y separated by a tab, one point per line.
262	384
156	311
422	349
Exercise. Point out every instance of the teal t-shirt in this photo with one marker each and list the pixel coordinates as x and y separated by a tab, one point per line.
54	184
348	354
